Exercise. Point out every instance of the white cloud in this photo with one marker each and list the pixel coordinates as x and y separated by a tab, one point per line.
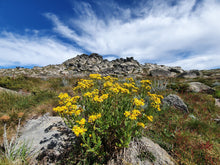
33	50
157	32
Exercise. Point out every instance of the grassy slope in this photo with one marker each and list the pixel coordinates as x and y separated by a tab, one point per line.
190	138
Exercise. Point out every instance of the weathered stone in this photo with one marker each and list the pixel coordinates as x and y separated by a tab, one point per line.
143	152
94	63
176	101
48	137
191	74
217	102
160	73
200	87
8	91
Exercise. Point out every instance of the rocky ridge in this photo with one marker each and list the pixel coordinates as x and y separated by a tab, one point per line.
82	65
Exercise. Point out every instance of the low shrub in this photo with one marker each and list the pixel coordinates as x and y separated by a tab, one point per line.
105	114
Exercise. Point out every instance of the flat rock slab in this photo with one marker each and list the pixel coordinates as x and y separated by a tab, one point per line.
48	138
200	87
143	152
8	91
217	102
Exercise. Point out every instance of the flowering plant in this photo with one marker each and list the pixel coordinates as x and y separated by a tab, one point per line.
105	113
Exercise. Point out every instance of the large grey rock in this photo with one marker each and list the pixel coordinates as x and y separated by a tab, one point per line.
217	102
143	152
8	91
160	73
200	87
191	74
176	101
48	137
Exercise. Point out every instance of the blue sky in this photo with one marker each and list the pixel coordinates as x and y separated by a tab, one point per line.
182	33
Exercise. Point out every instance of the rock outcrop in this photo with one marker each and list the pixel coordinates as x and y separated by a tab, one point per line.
191	74
49	139
200	87
143	152
176	101
82	65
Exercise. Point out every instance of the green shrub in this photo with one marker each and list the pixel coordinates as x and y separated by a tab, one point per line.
105	114
216	94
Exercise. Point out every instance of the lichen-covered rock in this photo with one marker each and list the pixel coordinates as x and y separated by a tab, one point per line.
176	101
160	73
191	74
200	87
143	152
49	139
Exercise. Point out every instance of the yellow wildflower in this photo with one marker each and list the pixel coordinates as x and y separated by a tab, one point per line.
107	84
133	116
140	124
148	88
95	76
77	113
136	112
145	82
78	130
114	90
63	95
127	113
134	91
88	94
82	121
138	102
150	118
92	118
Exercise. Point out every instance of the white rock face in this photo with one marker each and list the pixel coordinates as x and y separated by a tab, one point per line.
143	152
48	138
200	87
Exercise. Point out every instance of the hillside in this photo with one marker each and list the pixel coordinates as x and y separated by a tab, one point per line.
185	129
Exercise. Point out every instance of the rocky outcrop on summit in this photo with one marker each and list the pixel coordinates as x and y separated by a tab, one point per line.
94	63
82	65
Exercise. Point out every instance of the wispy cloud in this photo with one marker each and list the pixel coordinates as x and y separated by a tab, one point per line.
157	32
33	50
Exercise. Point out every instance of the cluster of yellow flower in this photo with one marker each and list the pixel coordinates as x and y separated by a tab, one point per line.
93	118
95	76
141	124
79	130
101	98
138	102
91	94
108	88
132	115
84	84
146	84
155	100
116	88
111	79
